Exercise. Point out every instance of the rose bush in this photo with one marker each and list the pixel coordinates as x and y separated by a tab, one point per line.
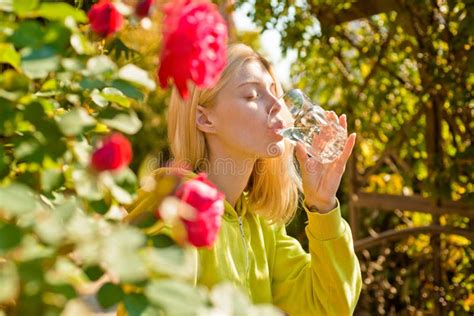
62	188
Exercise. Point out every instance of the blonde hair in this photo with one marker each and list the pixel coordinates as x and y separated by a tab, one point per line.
273	196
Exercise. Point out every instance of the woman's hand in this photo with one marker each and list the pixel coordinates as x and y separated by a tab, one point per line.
321	181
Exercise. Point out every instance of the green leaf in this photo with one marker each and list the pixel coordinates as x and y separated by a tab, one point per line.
55	147
175	297
28	148
32	249
34	113
81	44
17	199
98	98
135	304
22	6
4	161
31	270
10	236
7	116
56	35
126	179
13	86
51	179
165	260
56	12
128	89
119	194
11	80
50	228
8	55
162	241
99	206
116	96
124	121
100	64
74	122
90	84
94	272
9	280
38	63
67	208
64	290
86	185
120	251
136	75
82	151
29	33
72	64
109	295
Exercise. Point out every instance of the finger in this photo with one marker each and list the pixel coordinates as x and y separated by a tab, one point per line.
343	121
332	116
346	153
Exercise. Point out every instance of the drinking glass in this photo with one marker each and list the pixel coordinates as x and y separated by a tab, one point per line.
318	130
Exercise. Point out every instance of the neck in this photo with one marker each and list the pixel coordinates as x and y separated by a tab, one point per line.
230	173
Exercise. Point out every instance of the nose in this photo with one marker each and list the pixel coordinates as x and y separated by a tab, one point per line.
275	105
275	109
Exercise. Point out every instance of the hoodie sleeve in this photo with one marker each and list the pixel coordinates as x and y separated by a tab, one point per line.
327	281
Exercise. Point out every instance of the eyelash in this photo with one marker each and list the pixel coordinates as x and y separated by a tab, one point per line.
253	97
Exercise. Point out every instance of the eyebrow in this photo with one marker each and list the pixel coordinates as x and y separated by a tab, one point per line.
254	82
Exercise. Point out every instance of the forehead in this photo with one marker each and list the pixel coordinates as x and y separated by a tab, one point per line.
252	71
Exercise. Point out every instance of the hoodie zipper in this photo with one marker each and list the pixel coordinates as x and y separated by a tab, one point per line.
244	240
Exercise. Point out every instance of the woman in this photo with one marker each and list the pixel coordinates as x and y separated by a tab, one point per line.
224	132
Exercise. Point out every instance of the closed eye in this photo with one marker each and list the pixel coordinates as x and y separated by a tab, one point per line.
252	96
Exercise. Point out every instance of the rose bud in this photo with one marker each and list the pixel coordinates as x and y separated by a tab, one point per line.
194	45
114	153
144	8
202	195
104	18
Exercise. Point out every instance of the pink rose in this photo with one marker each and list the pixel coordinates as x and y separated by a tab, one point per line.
114	153
144	8
208	202
105	19
194	45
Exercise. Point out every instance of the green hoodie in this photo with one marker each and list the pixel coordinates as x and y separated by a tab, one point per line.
272	267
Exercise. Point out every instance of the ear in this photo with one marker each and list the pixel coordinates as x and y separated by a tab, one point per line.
204	120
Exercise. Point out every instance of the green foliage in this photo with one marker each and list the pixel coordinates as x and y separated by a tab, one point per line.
402	72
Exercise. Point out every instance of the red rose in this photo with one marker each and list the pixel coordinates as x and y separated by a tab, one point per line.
208	202
144	8
105	19
194	45
114	153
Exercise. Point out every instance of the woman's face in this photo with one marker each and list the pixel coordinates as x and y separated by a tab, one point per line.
241	114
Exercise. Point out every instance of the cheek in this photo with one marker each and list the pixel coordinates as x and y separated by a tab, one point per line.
240	116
